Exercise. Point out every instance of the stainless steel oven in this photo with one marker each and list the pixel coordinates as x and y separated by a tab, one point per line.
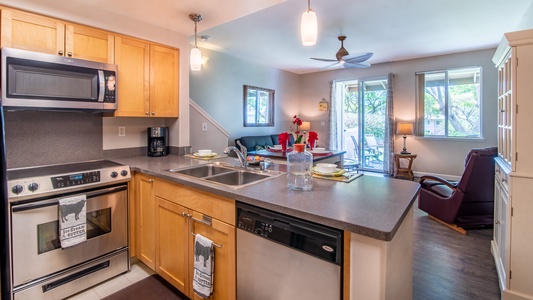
41	268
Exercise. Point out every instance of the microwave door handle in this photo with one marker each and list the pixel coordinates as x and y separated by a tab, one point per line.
101	80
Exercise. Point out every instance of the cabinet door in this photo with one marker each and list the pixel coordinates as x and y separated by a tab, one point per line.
225	264
89	43
146	216
31	32
133	59
164	82
172	238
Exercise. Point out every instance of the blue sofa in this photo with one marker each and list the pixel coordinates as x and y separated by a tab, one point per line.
259	142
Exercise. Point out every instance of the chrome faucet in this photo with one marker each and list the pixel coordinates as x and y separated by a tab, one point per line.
240	155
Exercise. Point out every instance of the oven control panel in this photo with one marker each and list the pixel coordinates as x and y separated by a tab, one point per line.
30	183
75	179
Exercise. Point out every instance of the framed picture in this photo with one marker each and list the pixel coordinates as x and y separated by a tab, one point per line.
323	105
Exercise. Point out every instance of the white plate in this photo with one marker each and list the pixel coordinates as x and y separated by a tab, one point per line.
338	172
319	151
205	155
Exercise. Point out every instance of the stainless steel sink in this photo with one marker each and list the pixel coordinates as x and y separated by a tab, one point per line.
202	171
227	175
237	178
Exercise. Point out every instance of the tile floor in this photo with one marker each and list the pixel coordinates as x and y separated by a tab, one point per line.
137	272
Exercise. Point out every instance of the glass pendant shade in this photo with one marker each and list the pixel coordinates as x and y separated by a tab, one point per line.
196	59
308	28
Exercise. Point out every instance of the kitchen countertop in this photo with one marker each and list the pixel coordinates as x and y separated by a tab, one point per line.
369	205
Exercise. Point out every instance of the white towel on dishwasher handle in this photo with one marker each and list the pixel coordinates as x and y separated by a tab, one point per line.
72	220
204	266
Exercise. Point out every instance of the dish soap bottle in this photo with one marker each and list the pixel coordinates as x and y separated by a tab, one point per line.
299	169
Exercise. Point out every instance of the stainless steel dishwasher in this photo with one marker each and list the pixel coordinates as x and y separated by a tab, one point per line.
281	257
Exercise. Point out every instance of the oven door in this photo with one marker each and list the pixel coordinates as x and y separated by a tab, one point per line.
35	235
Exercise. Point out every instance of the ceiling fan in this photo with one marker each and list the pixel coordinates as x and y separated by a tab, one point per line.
348	60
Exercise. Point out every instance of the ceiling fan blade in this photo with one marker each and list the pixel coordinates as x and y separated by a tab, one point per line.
329	66
358	57
360	65
324	59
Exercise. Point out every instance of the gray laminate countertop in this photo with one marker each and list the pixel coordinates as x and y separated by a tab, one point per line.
369	205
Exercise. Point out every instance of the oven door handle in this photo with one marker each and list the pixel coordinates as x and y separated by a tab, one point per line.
55	201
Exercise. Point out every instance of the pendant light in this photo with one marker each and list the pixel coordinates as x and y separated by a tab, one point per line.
308	26
196	54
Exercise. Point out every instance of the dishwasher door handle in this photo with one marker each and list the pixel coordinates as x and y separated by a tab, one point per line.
207	221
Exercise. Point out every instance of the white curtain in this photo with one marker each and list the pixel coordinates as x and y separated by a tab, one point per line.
335	126
388	138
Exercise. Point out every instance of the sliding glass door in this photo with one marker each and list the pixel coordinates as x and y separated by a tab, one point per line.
363	117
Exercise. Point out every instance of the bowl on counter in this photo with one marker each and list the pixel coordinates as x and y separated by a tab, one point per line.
276	147
326	168
318	150
204	152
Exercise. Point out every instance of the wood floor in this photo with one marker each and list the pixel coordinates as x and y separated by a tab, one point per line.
449	265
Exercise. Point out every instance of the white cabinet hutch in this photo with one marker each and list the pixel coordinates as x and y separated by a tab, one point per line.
512	245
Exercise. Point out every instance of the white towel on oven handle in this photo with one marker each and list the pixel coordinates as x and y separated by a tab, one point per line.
72	220
203	268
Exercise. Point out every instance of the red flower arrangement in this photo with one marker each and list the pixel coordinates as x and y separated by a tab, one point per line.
298	122
312	138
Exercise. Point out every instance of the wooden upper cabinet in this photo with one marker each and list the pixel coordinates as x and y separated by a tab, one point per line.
89	43
133	59
31	32
164	62
147	79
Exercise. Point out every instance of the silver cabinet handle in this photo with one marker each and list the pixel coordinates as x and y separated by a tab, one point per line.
207	221
69	54
61	52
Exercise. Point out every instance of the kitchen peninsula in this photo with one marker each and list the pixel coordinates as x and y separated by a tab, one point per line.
375	214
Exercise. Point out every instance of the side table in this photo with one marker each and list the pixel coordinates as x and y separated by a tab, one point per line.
400	171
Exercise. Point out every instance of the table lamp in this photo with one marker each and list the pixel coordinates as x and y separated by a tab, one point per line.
404	128
305	127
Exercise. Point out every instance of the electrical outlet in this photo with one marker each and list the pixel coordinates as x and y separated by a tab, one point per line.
204	126
322	123
122	131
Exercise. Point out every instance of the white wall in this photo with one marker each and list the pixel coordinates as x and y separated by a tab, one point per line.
527	19
218	89
445	157
179	128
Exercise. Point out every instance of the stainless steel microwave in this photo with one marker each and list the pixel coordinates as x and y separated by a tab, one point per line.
39	81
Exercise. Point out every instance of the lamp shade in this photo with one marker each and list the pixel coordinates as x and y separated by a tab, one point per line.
196	59
404	128
309	28
306	126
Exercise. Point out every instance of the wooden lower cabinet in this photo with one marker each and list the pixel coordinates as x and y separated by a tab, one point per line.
172	240
144	189
225	264
177	212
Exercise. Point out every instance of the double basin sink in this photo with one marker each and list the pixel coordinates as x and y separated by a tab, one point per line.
230	176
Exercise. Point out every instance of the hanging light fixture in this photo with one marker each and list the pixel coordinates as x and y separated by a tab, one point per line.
308	26
196	54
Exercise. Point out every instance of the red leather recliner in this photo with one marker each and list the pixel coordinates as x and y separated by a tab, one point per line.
469	202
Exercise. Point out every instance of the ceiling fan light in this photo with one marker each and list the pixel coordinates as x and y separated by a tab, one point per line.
196	59
309	28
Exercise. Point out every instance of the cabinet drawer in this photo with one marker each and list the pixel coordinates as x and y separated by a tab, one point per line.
502	177
215	206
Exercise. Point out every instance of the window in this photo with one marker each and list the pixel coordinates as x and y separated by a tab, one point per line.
258	106
449	103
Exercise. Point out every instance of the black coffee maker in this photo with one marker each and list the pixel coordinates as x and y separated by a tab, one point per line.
157	141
